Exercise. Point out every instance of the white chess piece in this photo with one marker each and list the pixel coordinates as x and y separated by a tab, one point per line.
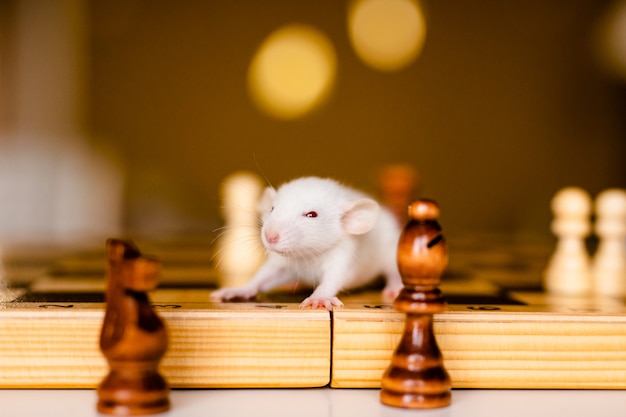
568	272
609	263
240	249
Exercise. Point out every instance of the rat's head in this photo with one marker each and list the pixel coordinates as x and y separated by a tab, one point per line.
308	216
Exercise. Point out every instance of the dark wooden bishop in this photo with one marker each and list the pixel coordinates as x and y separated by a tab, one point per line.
133	337
416	377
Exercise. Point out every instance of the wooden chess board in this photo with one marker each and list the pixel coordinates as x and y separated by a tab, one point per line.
500	330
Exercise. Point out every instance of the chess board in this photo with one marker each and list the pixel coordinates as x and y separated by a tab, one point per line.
499	331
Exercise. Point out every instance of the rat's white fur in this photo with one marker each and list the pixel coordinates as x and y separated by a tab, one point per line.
324	233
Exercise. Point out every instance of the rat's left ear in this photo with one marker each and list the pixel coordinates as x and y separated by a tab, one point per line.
266	201
359	216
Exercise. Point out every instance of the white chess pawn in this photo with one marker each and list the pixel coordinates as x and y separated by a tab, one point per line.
568	272
609	263
240	249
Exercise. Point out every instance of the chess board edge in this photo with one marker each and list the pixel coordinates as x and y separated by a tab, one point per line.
497	347
53	346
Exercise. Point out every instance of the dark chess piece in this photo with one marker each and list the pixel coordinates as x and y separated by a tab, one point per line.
416	377
398	185
133	337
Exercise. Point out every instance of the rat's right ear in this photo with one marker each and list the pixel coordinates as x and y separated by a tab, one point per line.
359	216
266	201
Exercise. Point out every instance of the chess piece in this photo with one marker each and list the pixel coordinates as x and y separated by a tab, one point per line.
240	249
568	271
608	267
416	377
133	337
397	185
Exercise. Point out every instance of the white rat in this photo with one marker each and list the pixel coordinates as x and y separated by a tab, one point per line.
326	234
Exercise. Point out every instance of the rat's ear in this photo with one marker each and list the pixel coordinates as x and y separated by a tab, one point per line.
266	201
359	216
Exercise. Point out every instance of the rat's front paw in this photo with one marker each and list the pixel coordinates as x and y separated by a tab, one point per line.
319	302
227	294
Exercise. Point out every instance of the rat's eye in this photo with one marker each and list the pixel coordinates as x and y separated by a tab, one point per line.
311	214
272	209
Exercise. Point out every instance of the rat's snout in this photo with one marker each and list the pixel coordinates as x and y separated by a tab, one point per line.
271	236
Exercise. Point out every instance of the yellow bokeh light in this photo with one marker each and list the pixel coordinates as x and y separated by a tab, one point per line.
292	72
387	34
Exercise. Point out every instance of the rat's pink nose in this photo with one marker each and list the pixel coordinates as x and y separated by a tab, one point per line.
271	236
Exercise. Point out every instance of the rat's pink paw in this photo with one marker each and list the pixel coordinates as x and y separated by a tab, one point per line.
391	293
321	302
226	294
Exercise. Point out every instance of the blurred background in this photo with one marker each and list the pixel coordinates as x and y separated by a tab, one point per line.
125	116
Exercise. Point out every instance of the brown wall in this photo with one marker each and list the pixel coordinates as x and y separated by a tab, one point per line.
504	106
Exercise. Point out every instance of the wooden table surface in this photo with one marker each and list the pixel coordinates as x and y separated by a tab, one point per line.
325	402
